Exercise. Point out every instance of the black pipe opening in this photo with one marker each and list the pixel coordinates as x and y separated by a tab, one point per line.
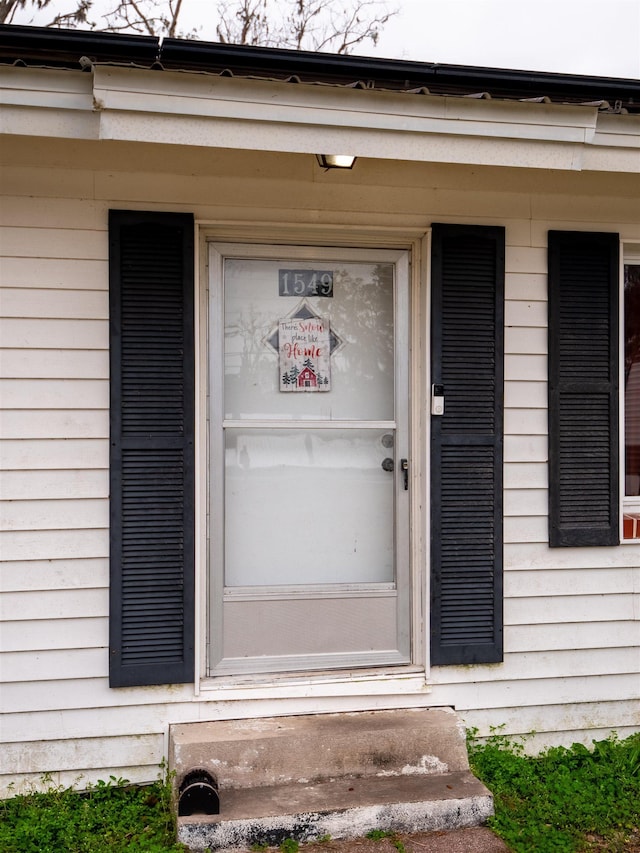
198	794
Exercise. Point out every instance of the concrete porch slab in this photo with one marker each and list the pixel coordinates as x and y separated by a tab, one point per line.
330	774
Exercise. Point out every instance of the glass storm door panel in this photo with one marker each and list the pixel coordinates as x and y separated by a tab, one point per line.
309	391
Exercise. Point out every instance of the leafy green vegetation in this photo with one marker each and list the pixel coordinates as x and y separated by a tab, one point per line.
111	817
290	845
563	800
379	834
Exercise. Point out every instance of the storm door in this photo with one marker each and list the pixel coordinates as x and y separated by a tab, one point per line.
309	458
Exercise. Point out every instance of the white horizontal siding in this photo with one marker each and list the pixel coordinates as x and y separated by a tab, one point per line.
571	632
26	782
520	341
561	582
581	722
54	665
54	575
94	692
55	484
54	515
571	635
19	332
519	395
531	422
523	475
62	604
569	608
56	273
526	286
47	423
24	178
523	501
55	544
32	454
525	556
54	243
54	364
535	666
50	634
525	448
525	528
525	314
530	693
54	304
78	755
54	393
20	212
89	721
591	212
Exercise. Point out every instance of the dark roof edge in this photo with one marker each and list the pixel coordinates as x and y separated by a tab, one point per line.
366	67
63	48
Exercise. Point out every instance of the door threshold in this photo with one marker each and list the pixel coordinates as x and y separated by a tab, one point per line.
402	680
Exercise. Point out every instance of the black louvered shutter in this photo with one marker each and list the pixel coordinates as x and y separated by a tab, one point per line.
583	388
152	448
467	444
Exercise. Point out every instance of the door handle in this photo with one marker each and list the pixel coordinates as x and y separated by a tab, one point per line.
388	465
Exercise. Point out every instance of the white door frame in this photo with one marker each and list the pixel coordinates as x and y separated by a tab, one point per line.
416	244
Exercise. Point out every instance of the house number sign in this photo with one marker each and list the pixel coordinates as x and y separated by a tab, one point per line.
305	354
305	283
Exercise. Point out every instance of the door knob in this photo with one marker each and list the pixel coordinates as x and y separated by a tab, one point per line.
388	464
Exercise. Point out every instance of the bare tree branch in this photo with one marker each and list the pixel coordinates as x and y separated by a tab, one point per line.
8	8
303	24
243	22
174	9
330	25
76	16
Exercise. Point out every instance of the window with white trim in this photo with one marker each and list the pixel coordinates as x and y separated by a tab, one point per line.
631	385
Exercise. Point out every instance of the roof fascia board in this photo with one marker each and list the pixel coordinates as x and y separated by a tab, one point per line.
618	131
263	115
390	145
53	88
54	103
178	95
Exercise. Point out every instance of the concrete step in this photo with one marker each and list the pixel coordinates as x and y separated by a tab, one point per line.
330	774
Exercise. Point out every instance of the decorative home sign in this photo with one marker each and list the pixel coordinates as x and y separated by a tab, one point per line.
305	354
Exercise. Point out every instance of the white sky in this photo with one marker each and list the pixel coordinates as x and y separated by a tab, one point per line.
600	37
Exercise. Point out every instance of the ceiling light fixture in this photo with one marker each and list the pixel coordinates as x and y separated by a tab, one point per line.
336	161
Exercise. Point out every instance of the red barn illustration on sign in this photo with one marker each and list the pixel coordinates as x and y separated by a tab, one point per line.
305	350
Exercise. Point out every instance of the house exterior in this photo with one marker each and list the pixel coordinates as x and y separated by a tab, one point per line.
443	526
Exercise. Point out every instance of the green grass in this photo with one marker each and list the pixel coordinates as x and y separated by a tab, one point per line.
379	834
111	817
563	800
